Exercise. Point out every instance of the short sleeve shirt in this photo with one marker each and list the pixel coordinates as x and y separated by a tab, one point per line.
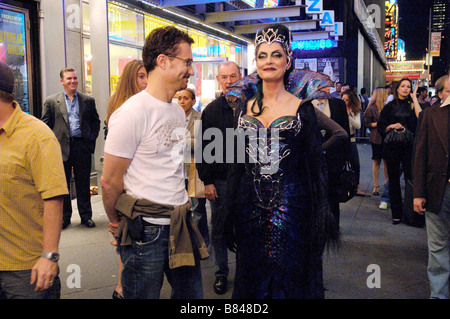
152	134
31	170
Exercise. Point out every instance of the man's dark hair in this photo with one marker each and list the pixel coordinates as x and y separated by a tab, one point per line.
162	40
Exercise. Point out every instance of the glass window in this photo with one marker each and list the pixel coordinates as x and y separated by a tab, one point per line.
87	66
119	56
86	15
125	25
153	23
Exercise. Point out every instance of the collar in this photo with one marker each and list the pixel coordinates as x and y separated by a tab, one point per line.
67	97
11	123
446	102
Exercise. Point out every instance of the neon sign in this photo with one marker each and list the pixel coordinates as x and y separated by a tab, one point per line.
270	3
391	30
313	45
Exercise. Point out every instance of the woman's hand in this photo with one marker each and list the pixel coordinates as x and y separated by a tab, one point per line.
396	126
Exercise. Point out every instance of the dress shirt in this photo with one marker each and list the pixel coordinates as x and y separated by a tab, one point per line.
73	115
323	106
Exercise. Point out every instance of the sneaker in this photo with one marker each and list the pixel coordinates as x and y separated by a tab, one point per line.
383	205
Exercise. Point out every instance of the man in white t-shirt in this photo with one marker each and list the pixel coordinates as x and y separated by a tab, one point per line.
144	159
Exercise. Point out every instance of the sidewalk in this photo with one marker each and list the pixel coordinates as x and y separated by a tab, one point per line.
398	253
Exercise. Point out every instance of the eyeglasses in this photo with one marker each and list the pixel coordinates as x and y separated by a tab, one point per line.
187	61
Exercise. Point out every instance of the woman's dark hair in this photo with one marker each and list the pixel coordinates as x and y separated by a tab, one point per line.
162	40
257	107
398	85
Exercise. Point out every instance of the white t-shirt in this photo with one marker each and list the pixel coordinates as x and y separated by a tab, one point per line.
152	134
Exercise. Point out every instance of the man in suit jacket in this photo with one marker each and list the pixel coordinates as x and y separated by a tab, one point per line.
336	155
74	119
432	187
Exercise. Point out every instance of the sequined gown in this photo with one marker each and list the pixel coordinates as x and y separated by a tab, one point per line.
273	200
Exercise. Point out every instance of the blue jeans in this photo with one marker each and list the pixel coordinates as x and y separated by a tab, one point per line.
218	243
146	262
438	235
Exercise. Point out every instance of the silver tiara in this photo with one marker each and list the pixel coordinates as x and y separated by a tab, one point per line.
270	36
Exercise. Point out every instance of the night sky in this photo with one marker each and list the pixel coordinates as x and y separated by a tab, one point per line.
413	26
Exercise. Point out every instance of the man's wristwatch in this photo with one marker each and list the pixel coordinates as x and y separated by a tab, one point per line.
51	256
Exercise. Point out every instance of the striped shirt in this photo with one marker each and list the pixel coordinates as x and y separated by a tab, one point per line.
31	170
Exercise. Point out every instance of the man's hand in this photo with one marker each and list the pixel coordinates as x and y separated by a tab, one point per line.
43	273
210	192
419	205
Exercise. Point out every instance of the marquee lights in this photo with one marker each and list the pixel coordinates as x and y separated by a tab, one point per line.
313	45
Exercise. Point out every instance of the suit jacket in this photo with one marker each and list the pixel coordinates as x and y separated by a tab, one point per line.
54	114
431	157
338	154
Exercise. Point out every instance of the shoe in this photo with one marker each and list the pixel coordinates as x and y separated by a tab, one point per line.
383	205
65	224
396	221
220	285
376	191
89	223
116	295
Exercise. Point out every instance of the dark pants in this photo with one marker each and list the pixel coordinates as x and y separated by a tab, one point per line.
397	159
16	285
80	161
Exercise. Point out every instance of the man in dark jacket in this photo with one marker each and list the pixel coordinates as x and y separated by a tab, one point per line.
74	119
213	172
337	154
432	189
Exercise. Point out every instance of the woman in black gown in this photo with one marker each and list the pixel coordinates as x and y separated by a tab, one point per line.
277	200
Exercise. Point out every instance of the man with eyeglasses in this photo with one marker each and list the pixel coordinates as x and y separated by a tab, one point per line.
218	114
143	178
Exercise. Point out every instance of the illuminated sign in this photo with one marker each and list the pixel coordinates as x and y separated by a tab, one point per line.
270	3
391	30
435	43
313	45
250	2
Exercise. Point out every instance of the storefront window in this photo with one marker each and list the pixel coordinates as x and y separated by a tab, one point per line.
119	56
13	51
125	25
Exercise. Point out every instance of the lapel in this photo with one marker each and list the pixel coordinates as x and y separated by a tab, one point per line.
81	106
61	105
440	122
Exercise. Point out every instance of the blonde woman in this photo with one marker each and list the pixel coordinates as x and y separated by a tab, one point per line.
371	117
132	81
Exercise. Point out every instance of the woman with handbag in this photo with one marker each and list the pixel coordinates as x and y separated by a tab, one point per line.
397	125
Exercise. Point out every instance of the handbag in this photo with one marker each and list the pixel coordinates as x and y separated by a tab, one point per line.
347	184
399	137
196	188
